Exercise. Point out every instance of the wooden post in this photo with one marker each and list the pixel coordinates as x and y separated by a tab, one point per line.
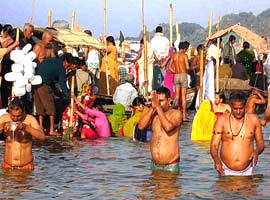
201	76
105	43
145	63
177	30
171	24
72	20
49	18
72	81
217	58
33	12
210	24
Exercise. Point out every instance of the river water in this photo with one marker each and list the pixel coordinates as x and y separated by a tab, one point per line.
116	168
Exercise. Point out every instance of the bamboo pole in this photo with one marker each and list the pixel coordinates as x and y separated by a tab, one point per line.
210	24
105	43
217	58
33	12
177	30
201	76
72	81
49	18
17	40
145	66
171	24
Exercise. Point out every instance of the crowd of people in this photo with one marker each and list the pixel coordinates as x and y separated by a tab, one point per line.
236	126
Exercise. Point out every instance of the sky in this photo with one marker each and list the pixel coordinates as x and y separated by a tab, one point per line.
124	15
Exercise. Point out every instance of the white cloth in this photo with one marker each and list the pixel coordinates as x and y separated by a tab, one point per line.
209	82
93	60
150	61
125	94
211	52
160	45
245	172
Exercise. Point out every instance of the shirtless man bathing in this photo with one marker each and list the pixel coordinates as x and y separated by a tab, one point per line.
165	123
237	132
180	61
19	129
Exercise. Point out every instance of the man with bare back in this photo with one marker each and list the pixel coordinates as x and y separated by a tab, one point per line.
237	132
19	129
44	48
180	61
255	98
165	123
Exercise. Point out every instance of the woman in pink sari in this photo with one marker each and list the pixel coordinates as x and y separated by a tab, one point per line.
169	75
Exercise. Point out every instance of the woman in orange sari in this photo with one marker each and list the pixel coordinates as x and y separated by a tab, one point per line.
112	65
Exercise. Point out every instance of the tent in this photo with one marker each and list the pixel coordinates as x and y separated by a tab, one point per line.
259	43
71	38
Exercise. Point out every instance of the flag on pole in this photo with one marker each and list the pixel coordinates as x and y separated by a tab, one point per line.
121	38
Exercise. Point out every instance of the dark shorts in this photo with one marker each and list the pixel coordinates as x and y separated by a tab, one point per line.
44	100
142	135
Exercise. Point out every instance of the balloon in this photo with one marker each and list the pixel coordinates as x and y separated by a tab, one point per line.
17	56
21	82
26	48
37	80
13	76
19	91
28	87
17	67
31	55
29	75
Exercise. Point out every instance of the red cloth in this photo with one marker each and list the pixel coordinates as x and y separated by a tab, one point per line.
89	132
66	119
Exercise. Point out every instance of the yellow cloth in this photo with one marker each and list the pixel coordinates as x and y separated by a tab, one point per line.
113	66
130	124
203	123
3	52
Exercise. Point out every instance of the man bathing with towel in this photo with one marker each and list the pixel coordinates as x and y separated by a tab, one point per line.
19	129
165	124
237	132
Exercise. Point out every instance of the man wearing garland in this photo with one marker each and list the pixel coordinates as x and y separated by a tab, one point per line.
237	133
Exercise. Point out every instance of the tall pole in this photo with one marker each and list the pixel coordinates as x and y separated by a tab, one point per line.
210	24
145	60
217	58
33	12
105	43
171	24
201	76
177	30
49	18
72	80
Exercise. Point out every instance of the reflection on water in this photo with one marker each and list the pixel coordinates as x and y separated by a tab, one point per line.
119	169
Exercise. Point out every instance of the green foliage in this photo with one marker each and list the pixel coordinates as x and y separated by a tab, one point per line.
196	34
68	134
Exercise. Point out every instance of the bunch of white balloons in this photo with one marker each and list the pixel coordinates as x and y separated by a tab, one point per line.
23	71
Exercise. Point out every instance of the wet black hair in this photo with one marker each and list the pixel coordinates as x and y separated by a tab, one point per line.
245	45
7	28
159	29
199	47
238	96
232	38
138	101
15	104
111	39
164	90
221	95
98	106
67	57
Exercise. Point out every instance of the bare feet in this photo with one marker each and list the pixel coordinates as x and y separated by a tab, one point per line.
54	133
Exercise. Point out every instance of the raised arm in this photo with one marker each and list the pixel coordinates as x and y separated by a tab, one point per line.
146	118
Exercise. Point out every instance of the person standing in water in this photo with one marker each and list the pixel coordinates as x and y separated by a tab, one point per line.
165	123
180	60
237	132
19	129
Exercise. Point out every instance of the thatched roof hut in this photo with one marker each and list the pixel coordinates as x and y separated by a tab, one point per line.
259	43
71	38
